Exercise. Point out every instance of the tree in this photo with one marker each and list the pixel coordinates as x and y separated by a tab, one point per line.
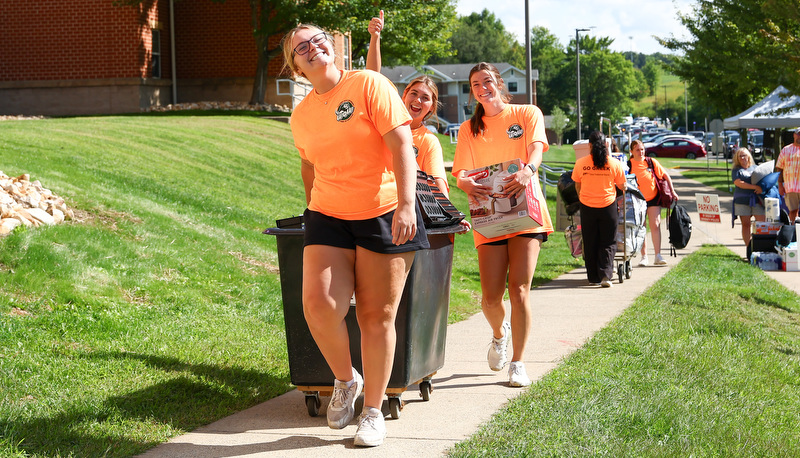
608	82
547	56
481	37
559	123
652	75
414	32
739	50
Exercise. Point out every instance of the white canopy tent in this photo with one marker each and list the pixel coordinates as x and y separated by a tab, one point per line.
763	114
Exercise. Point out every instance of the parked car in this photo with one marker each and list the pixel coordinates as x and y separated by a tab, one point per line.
755	143
732	141
658	138
698	135
677	147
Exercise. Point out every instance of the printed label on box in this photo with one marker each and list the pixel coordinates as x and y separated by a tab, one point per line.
767	227
501	214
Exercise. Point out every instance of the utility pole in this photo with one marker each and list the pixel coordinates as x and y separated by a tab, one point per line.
528	82
578	74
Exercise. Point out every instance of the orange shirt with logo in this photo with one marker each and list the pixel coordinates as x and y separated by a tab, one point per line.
645	178
598	185
341	134
428	151
506	137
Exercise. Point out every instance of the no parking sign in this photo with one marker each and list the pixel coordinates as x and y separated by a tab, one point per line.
708	207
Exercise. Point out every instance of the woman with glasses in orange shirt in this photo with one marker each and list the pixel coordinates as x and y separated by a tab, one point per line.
362	225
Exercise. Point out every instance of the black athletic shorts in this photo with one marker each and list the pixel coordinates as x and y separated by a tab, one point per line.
374	234
541	236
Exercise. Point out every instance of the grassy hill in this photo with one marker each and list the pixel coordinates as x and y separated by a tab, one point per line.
158	309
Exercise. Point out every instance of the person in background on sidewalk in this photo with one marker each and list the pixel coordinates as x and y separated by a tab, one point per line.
499	131
788	164
745	197
360	234
597	178
646	179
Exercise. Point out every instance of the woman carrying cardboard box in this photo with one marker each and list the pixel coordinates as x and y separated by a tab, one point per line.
499	131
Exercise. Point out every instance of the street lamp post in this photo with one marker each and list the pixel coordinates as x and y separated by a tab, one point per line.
631	43
665	102
578	74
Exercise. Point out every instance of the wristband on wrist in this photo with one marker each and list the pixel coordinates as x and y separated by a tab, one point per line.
532	167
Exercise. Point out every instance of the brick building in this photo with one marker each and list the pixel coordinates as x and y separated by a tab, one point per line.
76	57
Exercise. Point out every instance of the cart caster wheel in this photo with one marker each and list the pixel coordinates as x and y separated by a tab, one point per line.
628	270
425	389
621	273
395	406
312	404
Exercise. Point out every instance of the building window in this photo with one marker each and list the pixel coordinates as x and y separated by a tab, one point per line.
465	88
512	87
155	53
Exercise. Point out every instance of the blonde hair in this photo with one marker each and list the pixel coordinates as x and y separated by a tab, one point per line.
430	84
288	50
737	162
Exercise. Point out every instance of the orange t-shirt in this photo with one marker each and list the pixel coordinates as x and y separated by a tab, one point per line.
506	137
645	178
428	151
598	188
341	134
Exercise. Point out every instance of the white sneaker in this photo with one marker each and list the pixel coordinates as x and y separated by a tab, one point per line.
341	409
517	375
606	283
660	261
644	262
498	348
371	428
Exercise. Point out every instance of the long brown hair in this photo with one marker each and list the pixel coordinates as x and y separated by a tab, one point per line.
476	121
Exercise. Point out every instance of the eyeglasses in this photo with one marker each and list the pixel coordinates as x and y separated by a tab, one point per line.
305	46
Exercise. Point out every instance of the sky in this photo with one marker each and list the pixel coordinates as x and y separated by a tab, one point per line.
617	19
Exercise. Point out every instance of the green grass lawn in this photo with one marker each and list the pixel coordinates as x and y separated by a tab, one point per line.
158	309
691	368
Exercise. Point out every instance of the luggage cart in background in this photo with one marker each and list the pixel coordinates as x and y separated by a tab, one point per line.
631	212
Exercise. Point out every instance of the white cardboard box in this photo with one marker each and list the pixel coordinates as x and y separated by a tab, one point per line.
500	214
790	258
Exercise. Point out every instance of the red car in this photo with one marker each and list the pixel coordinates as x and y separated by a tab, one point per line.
677	147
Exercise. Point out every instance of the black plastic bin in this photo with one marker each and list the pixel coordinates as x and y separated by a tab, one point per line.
421	322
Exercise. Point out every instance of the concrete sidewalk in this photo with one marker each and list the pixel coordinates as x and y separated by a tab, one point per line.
567	312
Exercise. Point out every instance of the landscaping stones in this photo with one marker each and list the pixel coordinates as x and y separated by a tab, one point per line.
221	106
27	203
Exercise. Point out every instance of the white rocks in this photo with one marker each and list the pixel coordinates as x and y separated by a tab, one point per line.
29	204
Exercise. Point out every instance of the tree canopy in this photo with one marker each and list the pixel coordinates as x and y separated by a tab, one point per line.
481	37
739	51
